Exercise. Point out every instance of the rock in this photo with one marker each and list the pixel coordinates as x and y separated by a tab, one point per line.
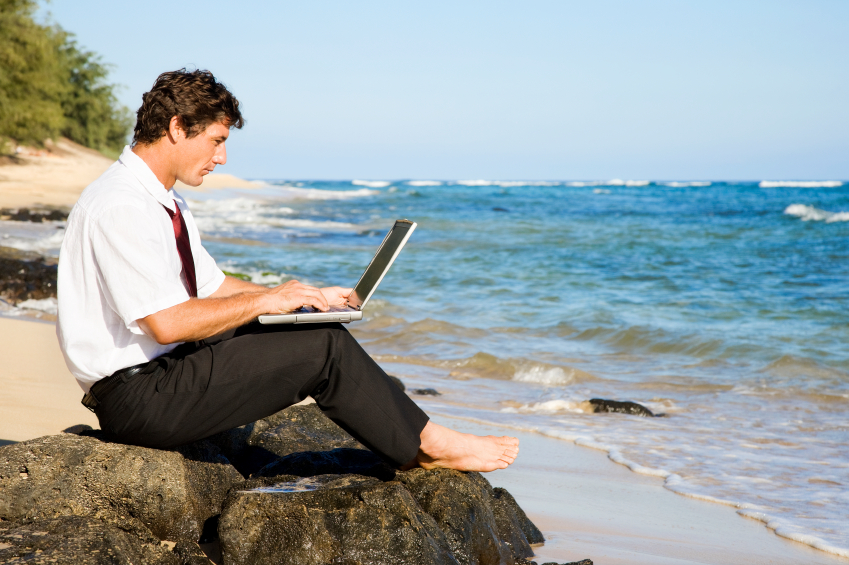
78	429
462	506
24	279
398	382
140	490
190	553
77	540
328	519
335	462
602	405
426	392
295	429
34	215
509	518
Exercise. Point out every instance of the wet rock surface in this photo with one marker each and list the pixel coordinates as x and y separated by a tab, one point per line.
77	540
622	407
155	494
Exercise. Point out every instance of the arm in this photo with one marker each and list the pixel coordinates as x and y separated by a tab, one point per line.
234	304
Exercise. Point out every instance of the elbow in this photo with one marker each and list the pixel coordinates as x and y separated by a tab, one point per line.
160	333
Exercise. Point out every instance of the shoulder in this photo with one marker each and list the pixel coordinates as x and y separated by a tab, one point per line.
114	190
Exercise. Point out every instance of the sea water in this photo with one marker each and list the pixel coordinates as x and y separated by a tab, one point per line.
720	304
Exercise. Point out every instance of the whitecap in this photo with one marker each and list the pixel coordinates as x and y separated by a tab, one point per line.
808	213
620	182
800	184
475	182
601	191
371	183
298	193
424	183
35	240
544	375
683	184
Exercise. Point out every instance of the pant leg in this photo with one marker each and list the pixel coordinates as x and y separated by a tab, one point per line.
195	392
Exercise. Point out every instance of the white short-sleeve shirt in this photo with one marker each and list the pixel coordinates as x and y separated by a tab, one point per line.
118	264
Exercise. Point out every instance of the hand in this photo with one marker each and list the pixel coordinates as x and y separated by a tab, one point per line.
336	295
292	295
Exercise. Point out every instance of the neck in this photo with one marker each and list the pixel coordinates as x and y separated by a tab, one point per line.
160	160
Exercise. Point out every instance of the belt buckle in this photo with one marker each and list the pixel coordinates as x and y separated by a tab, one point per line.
90	401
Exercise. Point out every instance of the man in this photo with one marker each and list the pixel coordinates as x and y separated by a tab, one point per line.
166	346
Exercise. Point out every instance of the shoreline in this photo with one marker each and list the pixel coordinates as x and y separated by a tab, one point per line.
586	506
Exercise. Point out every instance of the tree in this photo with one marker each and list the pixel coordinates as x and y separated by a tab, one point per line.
51	87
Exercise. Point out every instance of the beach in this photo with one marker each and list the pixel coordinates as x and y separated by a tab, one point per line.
499	375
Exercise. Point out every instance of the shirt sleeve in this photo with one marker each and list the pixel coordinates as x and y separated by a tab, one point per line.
135	264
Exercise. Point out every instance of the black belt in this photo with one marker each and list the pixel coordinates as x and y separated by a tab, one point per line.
104	385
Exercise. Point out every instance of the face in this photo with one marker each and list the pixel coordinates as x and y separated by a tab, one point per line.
197	156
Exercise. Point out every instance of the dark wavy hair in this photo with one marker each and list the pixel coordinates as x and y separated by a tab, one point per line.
195	97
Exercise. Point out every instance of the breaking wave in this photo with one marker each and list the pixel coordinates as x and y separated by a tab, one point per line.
808	213
800	184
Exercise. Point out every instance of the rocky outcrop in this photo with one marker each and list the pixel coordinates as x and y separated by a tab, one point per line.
149	492
320	498
77	540
328	519
23	277
33	214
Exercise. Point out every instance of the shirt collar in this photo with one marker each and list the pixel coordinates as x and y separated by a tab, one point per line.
148	180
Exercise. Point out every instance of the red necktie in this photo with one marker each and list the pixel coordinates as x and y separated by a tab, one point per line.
184	249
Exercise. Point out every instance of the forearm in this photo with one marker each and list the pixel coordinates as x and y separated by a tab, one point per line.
200	318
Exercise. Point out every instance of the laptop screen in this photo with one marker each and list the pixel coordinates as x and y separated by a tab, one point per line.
386	253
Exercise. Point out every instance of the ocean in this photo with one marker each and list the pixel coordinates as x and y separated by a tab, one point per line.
722	305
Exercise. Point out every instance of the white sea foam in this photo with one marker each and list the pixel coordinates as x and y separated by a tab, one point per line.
580	183
601	191
424	183
34	237
47	305
809	213
620	182
683	184
475	182
371	183
800	184
513	183
298	193
549	407
237	205
544	375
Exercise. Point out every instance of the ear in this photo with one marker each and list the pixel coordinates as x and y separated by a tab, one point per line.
175	129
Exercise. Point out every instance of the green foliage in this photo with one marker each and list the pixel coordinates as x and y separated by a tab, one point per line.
50	87
242	276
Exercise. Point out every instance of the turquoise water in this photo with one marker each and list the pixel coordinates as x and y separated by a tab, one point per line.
722	304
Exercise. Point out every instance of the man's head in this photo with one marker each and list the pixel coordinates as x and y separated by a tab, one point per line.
191	113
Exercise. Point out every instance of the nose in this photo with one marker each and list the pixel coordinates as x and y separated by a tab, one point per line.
220	157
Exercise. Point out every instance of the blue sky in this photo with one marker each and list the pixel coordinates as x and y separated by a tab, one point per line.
503	90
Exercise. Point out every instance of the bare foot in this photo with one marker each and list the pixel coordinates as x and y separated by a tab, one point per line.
448	449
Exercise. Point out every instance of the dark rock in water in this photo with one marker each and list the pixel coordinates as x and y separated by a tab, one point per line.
602	405
148	492
462	506
328	519
426	392
499	209
509	518
77	540
398	382
336	462
24	279
293	430
33	215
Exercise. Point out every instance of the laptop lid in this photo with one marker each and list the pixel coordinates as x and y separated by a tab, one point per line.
380	263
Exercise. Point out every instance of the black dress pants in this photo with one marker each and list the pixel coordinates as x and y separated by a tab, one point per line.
200	389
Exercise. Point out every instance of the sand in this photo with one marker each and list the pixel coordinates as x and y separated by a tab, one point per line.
55	176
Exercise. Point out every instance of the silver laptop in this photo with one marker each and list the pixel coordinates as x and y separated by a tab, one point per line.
374	273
